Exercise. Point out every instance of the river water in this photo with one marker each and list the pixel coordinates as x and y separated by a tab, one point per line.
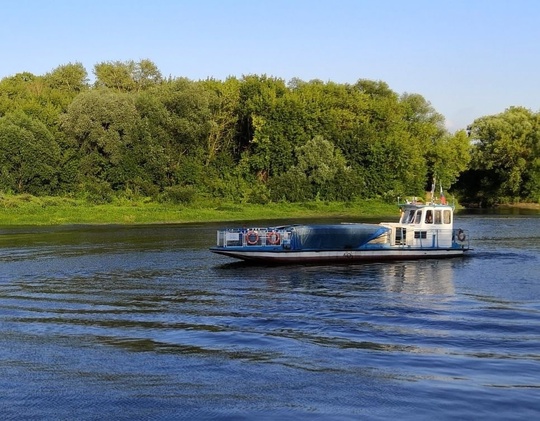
142	322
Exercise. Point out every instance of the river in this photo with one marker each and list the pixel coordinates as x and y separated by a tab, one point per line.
144	323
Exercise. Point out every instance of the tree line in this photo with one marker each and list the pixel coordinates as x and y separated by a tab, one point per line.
134	133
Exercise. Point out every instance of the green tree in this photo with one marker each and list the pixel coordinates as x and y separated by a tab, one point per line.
318	164
450	157
380	149
189	123
70	77
146	74
319	160
434	152
291	186
257	101
15	91
30	94
152	139
505	157
224	101
29	156
102	124
127	76
64	83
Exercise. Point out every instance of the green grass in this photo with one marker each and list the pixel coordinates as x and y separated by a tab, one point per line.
30	210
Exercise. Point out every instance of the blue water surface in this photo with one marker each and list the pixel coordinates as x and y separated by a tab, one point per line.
142	322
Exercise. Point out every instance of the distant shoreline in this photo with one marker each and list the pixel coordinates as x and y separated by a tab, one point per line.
31	210
521	205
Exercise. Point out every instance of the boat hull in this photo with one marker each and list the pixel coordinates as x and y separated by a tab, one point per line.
337	256
423	232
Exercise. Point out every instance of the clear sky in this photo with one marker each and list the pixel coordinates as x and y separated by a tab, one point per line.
469	58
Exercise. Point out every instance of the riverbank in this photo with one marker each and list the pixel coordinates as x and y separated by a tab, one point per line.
521	206
30	210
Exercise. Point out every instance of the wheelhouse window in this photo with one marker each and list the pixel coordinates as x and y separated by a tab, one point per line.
418	217
410	217
429	216
447	217
438	219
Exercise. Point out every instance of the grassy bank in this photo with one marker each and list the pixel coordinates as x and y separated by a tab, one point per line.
30	210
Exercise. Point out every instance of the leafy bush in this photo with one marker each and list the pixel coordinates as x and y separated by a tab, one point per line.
259	195
346	186
98	192
179	194
292	186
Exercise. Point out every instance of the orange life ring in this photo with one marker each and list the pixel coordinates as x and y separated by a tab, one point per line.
461	235
273	238
252	237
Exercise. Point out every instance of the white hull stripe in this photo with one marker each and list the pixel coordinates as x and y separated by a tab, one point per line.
353	255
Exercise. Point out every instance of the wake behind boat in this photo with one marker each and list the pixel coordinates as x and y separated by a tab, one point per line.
423	231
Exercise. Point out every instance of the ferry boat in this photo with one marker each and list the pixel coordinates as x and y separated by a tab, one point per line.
424	230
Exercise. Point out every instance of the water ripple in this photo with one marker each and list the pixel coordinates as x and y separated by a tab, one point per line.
150	327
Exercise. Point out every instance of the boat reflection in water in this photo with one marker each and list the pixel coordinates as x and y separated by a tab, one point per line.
433	277
415	277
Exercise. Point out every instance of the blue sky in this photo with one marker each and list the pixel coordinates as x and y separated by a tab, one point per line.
469	58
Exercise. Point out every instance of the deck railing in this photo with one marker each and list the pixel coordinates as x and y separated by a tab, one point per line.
252	237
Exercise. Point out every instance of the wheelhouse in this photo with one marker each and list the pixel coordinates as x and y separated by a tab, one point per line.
427	215
426	226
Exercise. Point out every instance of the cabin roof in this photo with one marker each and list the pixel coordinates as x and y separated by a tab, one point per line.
429	205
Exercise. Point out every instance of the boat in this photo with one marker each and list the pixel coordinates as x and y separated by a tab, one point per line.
424	230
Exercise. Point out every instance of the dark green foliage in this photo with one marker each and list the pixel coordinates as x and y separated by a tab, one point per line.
97	191
505	164
346	186
29	156
258	194
250	140
179	194
292	186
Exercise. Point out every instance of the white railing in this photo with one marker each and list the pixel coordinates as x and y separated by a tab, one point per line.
237	237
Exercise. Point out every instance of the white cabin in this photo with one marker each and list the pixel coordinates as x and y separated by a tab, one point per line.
423	226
